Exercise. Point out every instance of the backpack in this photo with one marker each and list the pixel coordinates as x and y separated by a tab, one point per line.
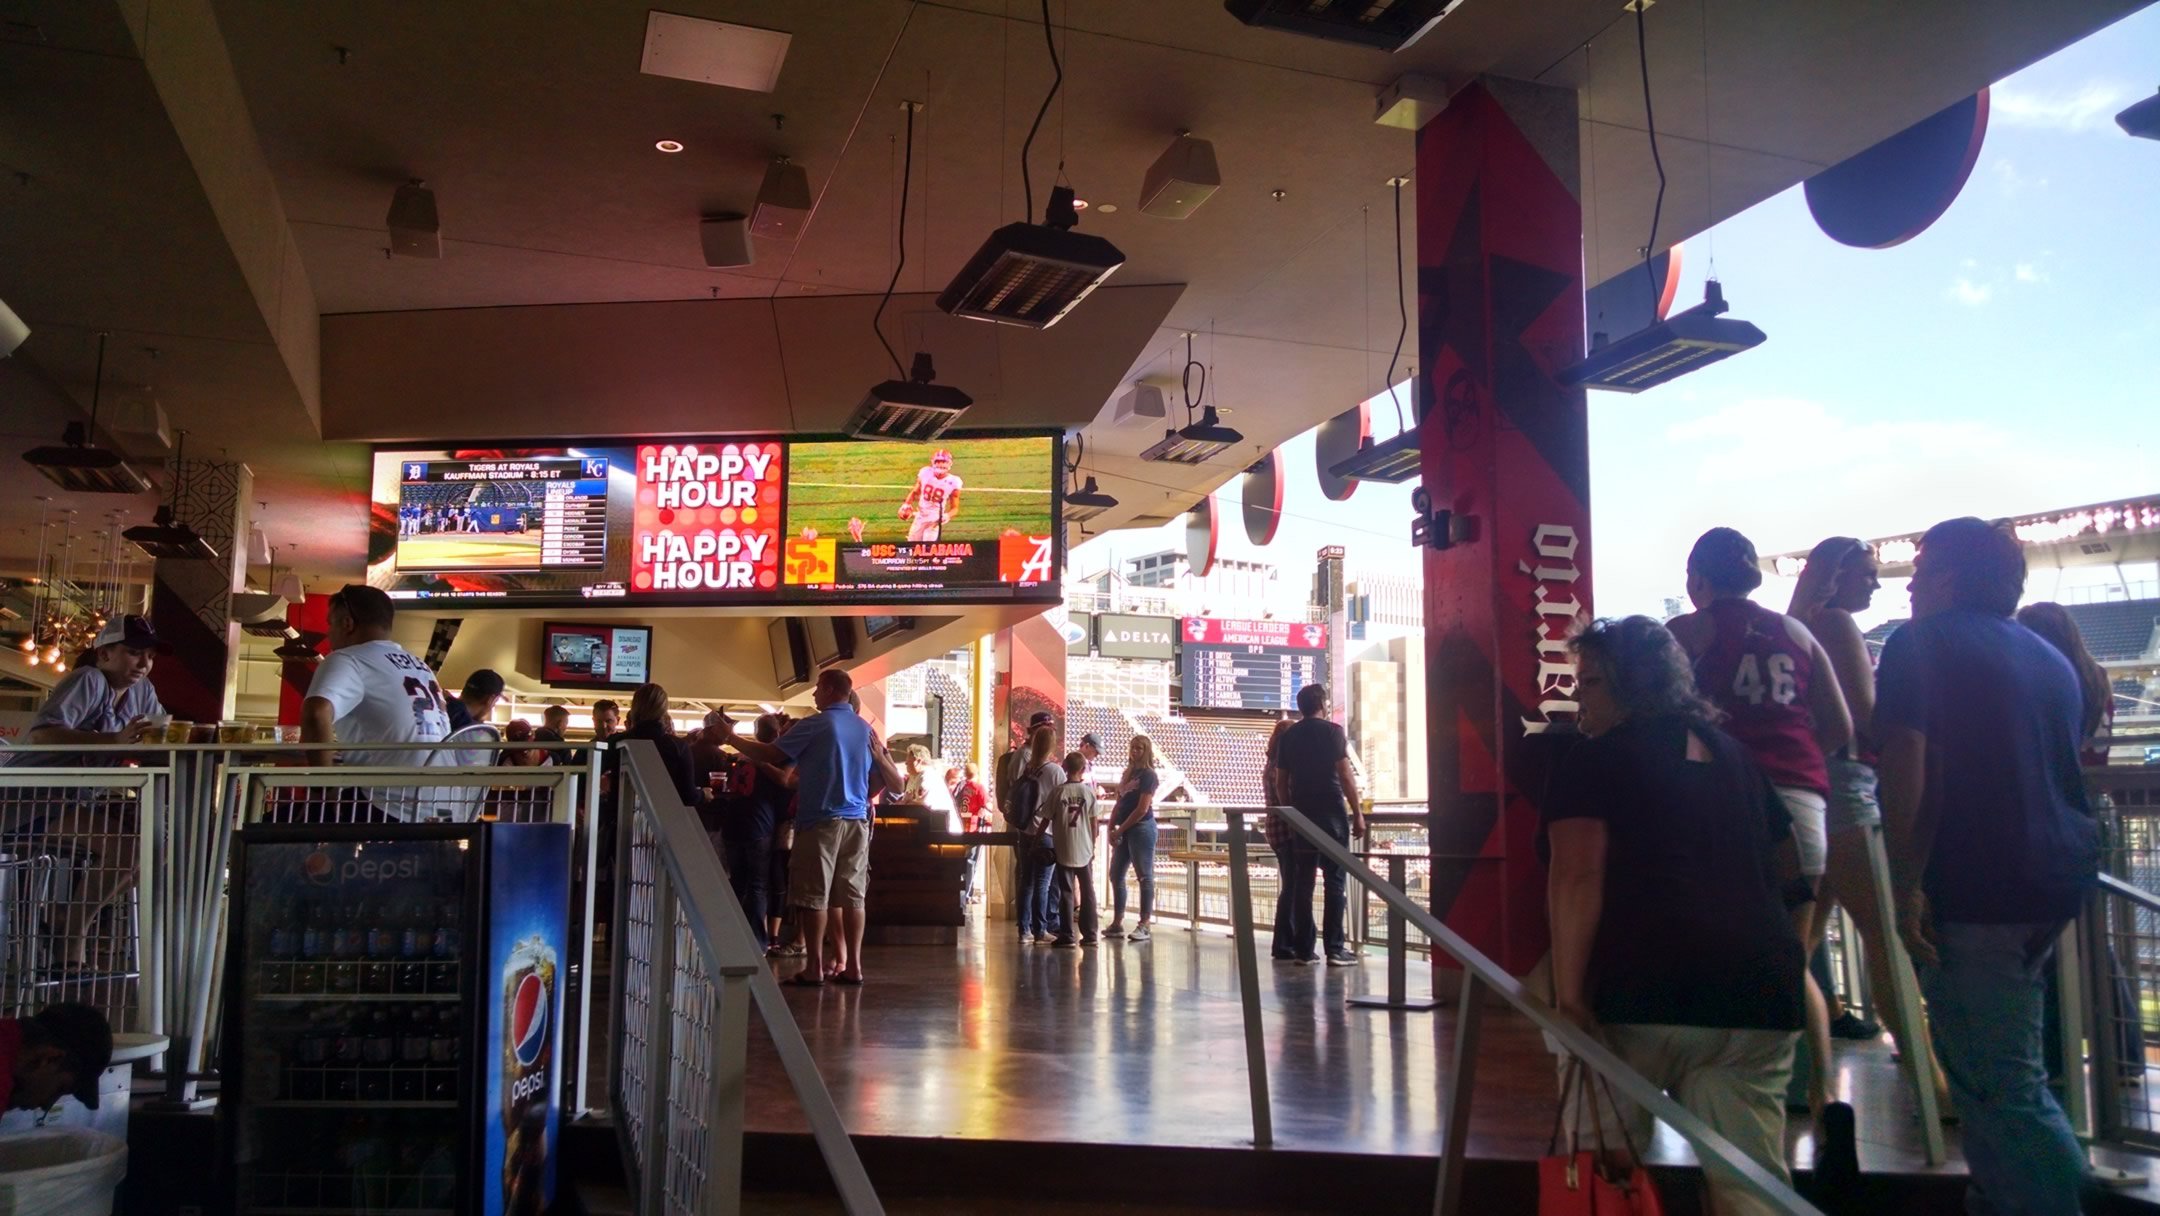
1026	792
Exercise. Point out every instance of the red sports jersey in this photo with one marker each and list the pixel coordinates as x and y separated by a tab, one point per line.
1759	676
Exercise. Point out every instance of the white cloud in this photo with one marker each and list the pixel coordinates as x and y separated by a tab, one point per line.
2027	272
2089	107
1969	293
2011	179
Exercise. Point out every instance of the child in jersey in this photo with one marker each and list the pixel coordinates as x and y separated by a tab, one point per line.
934	500
1072	830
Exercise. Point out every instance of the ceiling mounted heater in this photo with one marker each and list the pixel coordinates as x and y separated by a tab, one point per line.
76	464
1031	275
913	408
167	539
1087	502
1196	443
1390	25
1393	460
1681	343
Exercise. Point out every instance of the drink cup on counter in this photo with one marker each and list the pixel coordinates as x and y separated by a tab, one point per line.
235	732
178	732
266	734
203	732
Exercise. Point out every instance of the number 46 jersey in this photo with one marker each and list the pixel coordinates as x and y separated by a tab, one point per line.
1758	674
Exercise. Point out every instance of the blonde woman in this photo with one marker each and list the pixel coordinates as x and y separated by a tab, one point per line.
1132	840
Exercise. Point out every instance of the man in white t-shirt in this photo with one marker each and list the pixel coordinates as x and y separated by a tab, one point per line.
370	690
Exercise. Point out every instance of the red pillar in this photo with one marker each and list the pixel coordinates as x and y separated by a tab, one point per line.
1500	309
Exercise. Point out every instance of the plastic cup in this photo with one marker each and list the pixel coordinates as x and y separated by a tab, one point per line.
235	732
178	732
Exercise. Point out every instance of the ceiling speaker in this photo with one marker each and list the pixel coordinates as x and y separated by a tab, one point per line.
415	229
1181	179
726	238
783	202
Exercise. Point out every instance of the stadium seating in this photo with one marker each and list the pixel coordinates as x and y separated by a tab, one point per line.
2130	698
2118	630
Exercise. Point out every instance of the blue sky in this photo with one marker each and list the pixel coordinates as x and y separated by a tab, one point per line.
2006	360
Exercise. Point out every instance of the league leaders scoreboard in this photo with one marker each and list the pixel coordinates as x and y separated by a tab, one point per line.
720	520
1231	664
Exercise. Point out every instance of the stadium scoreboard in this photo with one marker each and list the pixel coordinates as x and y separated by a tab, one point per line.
533	514
1231	664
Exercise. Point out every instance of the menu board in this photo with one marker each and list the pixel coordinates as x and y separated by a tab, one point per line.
1230	664
719	520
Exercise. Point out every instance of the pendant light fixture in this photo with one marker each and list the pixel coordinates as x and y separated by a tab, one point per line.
1088	501
1197	442
1397	459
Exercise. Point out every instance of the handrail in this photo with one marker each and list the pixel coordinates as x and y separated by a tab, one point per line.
2130	891
720	932
1711	1149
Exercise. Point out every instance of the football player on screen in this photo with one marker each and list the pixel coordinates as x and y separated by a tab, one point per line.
934	500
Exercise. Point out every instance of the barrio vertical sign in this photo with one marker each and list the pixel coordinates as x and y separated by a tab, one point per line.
708	517
1553	615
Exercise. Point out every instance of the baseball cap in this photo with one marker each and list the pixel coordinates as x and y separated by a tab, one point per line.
1091	741
129	630
484	683
1041	717
84	1034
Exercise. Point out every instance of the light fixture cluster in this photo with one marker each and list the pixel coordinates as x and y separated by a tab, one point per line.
1199	440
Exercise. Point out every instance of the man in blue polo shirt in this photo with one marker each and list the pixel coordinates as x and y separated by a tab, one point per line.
834	754
1992	848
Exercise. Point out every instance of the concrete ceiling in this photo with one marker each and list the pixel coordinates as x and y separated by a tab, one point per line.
208	177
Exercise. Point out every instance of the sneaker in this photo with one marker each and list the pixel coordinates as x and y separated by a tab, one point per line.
1140	934
1308	961
1854	1029
1088	941
1044	939
1065	943
1115	930
1345	958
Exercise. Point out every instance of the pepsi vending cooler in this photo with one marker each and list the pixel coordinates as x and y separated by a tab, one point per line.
393	1009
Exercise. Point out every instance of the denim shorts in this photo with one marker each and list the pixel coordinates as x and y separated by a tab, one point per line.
1852	795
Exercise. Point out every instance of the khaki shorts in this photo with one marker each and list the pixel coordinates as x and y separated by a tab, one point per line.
830	865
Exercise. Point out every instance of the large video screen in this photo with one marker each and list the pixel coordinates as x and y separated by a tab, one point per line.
720	520
886	516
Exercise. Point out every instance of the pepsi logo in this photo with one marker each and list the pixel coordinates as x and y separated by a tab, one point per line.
529	1020
317	867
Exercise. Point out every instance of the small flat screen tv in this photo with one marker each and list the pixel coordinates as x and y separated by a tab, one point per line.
790	653
595	656
878	628
832	639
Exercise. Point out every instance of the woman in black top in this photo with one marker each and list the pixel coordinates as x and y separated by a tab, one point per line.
649	721
1671	859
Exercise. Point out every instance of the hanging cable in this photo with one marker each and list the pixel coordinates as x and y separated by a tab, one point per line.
1027	182
907	172
1657	209
1186	378
1402	309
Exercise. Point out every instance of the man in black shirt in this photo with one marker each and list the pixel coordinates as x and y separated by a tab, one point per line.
1315	755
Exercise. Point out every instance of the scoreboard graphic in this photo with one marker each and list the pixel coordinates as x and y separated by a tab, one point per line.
1234	664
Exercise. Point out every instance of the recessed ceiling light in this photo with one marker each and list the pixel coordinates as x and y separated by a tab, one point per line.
1108	208
669	145
1079	204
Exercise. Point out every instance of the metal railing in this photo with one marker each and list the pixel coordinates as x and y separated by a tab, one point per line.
686	972
122	867
1481	978
2109	974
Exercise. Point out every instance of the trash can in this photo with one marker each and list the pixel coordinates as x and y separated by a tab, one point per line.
60	1171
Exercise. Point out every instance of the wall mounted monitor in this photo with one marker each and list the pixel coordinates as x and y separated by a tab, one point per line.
595	656
719	520
832	639
878	628
790	652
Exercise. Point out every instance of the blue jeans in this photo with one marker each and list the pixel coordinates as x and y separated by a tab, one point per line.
1984	1008
748	864
1135	850
1298	887
1280	942
1037	914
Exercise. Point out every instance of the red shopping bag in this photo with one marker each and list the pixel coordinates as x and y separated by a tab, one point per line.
1578	1181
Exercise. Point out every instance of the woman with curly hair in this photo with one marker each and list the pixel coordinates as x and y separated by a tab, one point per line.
1673	875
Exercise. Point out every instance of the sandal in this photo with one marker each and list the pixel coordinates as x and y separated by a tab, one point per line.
803	979
852	979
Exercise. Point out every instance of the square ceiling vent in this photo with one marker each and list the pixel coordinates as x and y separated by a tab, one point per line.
713	52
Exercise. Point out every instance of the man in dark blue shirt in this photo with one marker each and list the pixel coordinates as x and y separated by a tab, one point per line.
1992	848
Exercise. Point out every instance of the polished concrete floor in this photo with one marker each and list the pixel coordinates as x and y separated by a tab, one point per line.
1142	1044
